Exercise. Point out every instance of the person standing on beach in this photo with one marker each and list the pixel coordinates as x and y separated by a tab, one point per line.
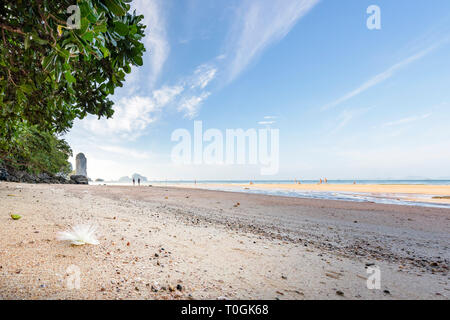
139	181
134	182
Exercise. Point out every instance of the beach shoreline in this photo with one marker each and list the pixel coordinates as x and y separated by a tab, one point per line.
213	244
401	194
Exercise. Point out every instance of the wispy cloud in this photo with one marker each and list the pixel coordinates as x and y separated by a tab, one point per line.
126	152
191	105
346	116
166	94
258	25
132	115
266	122
406	120
155	41
380	77
203	75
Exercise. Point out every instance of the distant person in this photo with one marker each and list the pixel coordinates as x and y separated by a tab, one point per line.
320	182
326	181
139	181
134	182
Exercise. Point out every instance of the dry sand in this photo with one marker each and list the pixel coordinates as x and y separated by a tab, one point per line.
216	244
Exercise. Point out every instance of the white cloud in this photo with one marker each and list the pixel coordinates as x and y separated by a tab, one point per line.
260	24
127	152
380	77
132	115
166	94
155	41
203	75
191	105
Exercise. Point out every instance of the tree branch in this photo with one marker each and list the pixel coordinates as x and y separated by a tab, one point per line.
11	29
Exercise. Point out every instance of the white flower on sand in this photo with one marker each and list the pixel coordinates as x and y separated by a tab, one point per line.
79	235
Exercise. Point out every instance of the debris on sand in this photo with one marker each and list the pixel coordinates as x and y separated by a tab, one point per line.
79	235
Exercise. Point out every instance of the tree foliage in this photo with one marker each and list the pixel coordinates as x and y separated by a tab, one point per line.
52	72
37	151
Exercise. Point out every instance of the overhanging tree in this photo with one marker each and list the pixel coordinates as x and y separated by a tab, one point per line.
52	72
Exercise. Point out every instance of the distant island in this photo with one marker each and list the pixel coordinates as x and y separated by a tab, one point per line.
134	176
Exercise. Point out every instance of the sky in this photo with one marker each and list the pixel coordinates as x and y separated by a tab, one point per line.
348	102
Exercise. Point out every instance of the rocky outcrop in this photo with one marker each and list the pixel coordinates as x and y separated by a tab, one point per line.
81	165
79	179
125	179
23	176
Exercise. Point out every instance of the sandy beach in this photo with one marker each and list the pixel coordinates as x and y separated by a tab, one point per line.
185	243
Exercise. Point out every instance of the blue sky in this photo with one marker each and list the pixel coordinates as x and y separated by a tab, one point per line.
349	102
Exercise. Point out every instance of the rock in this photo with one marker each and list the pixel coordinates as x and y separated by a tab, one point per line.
155	287
386	292
81	165
44	178
3	174
23	176
179	287
339	293
78	179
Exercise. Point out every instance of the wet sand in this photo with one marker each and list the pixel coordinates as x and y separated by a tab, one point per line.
436	193
216	244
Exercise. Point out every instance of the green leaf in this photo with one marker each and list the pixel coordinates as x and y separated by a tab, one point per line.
138	60
27	42
15	216
121	28
35	38
88	36
26	88
69	77
115	7
100	28
105	52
